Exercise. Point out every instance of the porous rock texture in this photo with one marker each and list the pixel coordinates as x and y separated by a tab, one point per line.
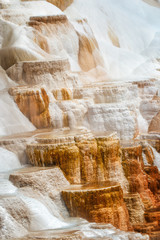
59	81
34	104
98	203
133	167
10	228
41	185
143	181
45	183
70	100
88	158
82	158
20	213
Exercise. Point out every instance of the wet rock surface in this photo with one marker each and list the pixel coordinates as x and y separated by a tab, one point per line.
82	157
98	202
61	77
102	202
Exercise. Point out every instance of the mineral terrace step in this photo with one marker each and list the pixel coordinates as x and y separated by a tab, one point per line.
47	19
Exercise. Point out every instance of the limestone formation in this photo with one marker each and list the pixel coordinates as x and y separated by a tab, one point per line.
89	56
135	208
65	153
82	157
56	36
86	78
153	178
155	124
62	4
36	188
28	177
102	202
39	72
10	228
34	104
45	184
149	155
144	186
133	167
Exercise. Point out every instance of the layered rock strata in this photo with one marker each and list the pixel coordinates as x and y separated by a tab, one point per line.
132	163
35	204
86	158
143	178
81	156
45	184
40	56
69	102
102	202
135	208
34	104
52	73
48	32
97	155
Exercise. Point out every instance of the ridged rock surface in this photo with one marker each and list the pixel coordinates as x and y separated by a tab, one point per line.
135	208
98	203
83	158
36	204
34	104
143	199
133	167
79	77
38	72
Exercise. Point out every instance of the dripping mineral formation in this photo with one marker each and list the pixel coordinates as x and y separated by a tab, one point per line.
79	119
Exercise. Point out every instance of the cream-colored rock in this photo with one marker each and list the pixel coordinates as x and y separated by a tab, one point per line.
55	35
18	211
110	117
38	204
19	12
48	179
155	124
22	45
42	72
45	185
17	144
149	109
107	93
68	66
12	121
10	228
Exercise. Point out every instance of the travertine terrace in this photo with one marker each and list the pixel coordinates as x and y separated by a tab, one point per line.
79	119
